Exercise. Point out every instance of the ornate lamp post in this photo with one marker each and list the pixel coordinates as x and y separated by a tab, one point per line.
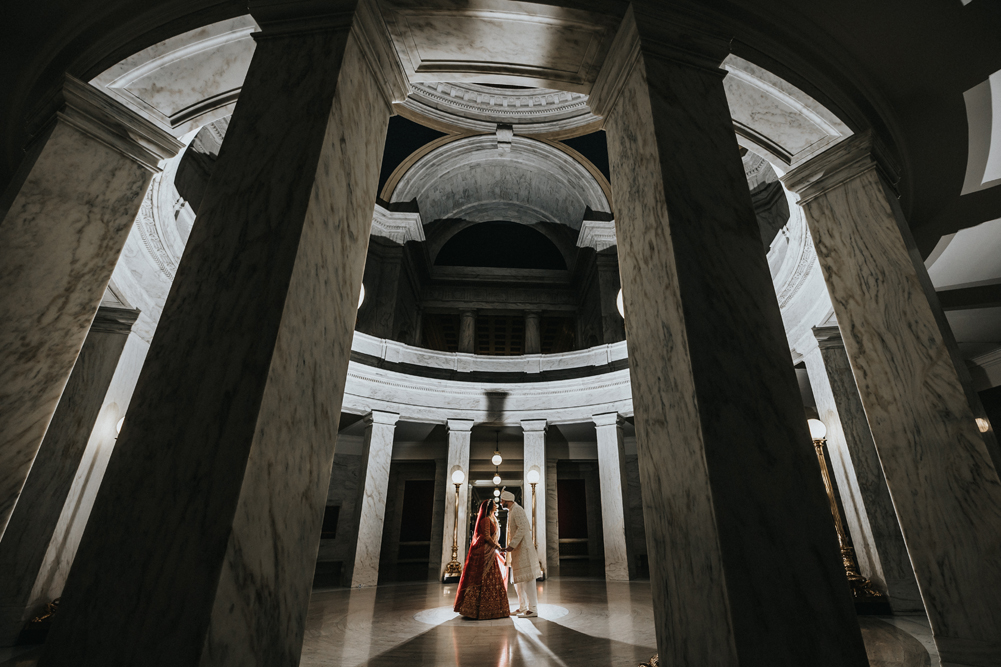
453	571
861	587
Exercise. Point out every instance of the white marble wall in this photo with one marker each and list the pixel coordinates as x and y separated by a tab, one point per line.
940	469
228	447
535	458
376	457
611	469
729	478
459	431
60	236
868	509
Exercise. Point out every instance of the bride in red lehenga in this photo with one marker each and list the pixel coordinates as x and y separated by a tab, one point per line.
483	587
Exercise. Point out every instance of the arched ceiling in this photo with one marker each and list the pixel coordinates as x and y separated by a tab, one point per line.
472	179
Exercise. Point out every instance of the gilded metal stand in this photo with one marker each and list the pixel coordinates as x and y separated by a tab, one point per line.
453	571
861	587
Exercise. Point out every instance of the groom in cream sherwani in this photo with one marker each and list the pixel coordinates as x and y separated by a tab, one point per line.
524	559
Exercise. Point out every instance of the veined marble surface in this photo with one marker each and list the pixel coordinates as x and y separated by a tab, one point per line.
459	432
730	482
59	242
252	353
534	457
611	471
938	467
377	454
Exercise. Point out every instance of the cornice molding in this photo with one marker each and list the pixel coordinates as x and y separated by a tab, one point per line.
114	320
397	223
106	120
840	163
597	234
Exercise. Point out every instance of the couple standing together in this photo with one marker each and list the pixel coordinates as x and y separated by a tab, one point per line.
483	587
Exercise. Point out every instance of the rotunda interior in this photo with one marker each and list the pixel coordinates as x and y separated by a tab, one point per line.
292	288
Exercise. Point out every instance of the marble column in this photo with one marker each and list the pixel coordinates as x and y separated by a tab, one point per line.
33	521
533	337
552	521
868	509
467	331
941	471
608	291
65	219
202	542
535	459
744	560
619	564
459	431
376	457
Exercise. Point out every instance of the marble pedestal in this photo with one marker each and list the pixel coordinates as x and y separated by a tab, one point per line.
868	509
65	219
459	431
619	565
941	471
534	458
376	457
33	522
744	560
203	539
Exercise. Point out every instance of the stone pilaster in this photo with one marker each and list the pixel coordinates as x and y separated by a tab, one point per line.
744	560
459	431
467	331
226	454
941	471
608	290
376	458
619	564
64	222
869	515
33	522
533	337
534	458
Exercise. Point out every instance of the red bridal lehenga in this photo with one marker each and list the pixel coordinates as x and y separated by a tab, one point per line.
483	587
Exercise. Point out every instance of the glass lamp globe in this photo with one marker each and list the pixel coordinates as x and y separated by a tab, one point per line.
618	304
496	479
118	426
533	476
496	493
361	295
496	459
817	429
458	477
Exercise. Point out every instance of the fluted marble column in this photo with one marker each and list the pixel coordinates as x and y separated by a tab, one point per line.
940	469
376	458
34	519
619	565
744	561
203	539
869	515
72	207
467	331
459	431
533	336
535	458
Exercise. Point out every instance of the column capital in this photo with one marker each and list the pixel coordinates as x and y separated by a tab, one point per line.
840	163
379	417
828	337
114	320
608	419
677	40
534	425
283	18
462	425
106	120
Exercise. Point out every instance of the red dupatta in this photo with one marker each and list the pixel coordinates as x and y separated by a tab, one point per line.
480	551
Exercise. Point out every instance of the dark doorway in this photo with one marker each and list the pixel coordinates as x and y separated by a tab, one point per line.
414	554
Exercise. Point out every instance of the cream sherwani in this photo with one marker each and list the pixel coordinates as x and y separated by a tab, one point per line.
524	558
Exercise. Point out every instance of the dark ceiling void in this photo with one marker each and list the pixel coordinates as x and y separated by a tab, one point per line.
403	138
594	148
505	245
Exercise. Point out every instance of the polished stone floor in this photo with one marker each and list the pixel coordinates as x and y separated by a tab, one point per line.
582	622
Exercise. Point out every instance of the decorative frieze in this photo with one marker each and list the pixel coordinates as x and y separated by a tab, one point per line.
396	224
597	234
